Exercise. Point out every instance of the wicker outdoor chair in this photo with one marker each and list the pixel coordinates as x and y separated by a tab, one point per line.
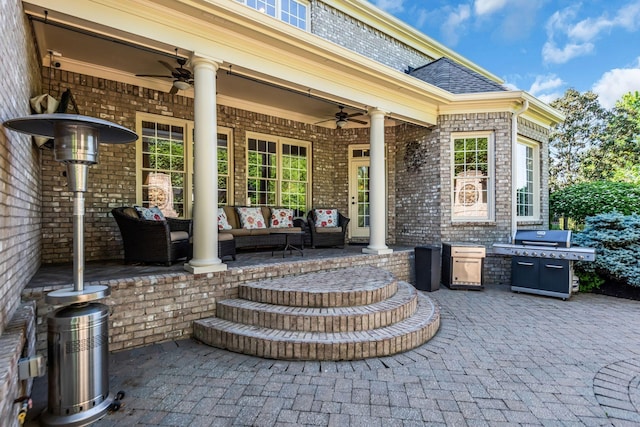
327	236
153	242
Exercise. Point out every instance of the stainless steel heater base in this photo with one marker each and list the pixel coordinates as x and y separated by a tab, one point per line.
80	419
78	380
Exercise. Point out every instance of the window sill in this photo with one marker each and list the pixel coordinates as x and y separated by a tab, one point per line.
467	222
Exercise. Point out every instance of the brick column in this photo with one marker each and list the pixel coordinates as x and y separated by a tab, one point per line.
205	164
377	187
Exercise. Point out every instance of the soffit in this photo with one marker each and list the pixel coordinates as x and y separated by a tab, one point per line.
247	42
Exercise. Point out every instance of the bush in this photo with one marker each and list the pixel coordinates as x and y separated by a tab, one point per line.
616	239
593	198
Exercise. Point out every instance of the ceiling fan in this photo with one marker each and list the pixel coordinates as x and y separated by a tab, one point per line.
182	77
342	118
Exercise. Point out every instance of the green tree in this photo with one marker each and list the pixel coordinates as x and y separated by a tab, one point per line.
571	140
618	156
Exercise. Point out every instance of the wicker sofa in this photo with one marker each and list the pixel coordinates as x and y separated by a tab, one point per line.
154	242
330	235
260	237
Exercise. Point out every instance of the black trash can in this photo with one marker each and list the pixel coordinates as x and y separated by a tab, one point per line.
427	262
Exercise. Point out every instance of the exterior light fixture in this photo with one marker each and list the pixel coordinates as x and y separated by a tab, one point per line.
181	84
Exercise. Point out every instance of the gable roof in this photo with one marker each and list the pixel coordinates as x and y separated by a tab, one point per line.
455	78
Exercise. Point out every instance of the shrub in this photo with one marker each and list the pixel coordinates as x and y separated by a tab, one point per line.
593	198
616	239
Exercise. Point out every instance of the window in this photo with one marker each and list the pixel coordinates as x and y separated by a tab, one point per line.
165	167
290	11
472	178
278	172
224	171
526	180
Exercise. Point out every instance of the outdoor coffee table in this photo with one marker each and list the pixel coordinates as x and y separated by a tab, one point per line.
293	241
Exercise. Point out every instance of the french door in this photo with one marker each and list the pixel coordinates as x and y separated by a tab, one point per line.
359	163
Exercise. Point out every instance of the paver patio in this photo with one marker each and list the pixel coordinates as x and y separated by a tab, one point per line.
499	358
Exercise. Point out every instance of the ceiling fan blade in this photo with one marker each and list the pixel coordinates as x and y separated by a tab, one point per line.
362	122
323	121
154	75
167	65
173	90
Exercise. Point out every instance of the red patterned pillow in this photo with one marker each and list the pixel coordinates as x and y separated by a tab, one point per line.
326	218
251	218
223	222
152	214
281	218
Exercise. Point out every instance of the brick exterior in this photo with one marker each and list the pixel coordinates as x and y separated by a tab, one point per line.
335	26
20	207
418	186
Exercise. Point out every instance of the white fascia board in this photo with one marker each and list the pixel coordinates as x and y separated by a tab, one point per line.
510	101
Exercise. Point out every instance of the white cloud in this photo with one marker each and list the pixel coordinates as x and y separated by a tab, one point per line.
486	7
555	55
547	88
391	6
615	83
544	83
577	38
453	26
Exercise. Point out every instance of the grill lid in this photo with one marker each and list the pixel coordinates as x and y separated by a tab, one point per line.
551	238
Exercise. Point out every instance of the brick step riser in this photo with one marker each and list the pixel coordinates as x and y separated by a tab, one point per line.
318	323
284	349
331	298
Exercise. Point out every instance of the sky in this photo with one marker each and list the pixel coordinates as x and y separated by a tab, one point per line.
543	47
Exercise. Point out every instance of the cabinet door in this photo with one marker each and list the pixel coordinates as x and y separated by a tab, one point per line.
554	275
525	272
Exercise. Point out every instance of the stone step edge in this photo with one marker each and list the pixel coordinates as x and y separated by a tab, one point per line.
398	307
287	345
314	297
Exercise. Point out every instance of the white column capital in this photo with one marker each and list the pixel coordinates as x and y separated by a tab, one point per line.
375	111
198	60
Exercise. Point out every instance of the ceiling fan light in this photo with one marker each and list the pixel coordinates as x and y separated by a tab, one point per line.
340	123
181	85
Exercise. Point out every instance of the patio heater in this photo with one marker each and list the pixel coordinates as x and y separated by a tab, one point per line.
77	333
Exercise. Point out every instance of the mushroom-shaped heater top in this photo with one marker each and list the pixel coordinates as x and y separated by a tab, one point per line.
75	143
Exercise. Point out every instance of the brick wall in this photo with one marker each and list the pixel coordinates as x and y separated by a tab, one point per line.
418	186
20	203
153	309
112	181
335	26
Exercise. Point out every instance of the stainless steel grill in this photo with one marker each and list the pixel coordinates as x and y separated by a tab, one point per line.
542	261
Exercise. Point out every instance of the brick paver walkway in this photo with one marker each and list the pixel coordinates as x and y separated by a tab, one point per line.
499	359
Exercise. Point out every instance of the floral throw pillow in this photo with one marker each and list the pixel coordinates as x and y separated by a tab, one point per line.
281	218
152	214
251	218
326	218
223	222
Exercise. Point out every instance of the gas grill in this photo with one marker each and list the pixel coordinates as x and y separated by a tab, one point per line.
542	261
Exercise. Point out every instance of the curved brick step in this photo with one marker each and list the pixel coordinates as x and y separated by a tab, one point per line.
280	344
313	319
333	288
